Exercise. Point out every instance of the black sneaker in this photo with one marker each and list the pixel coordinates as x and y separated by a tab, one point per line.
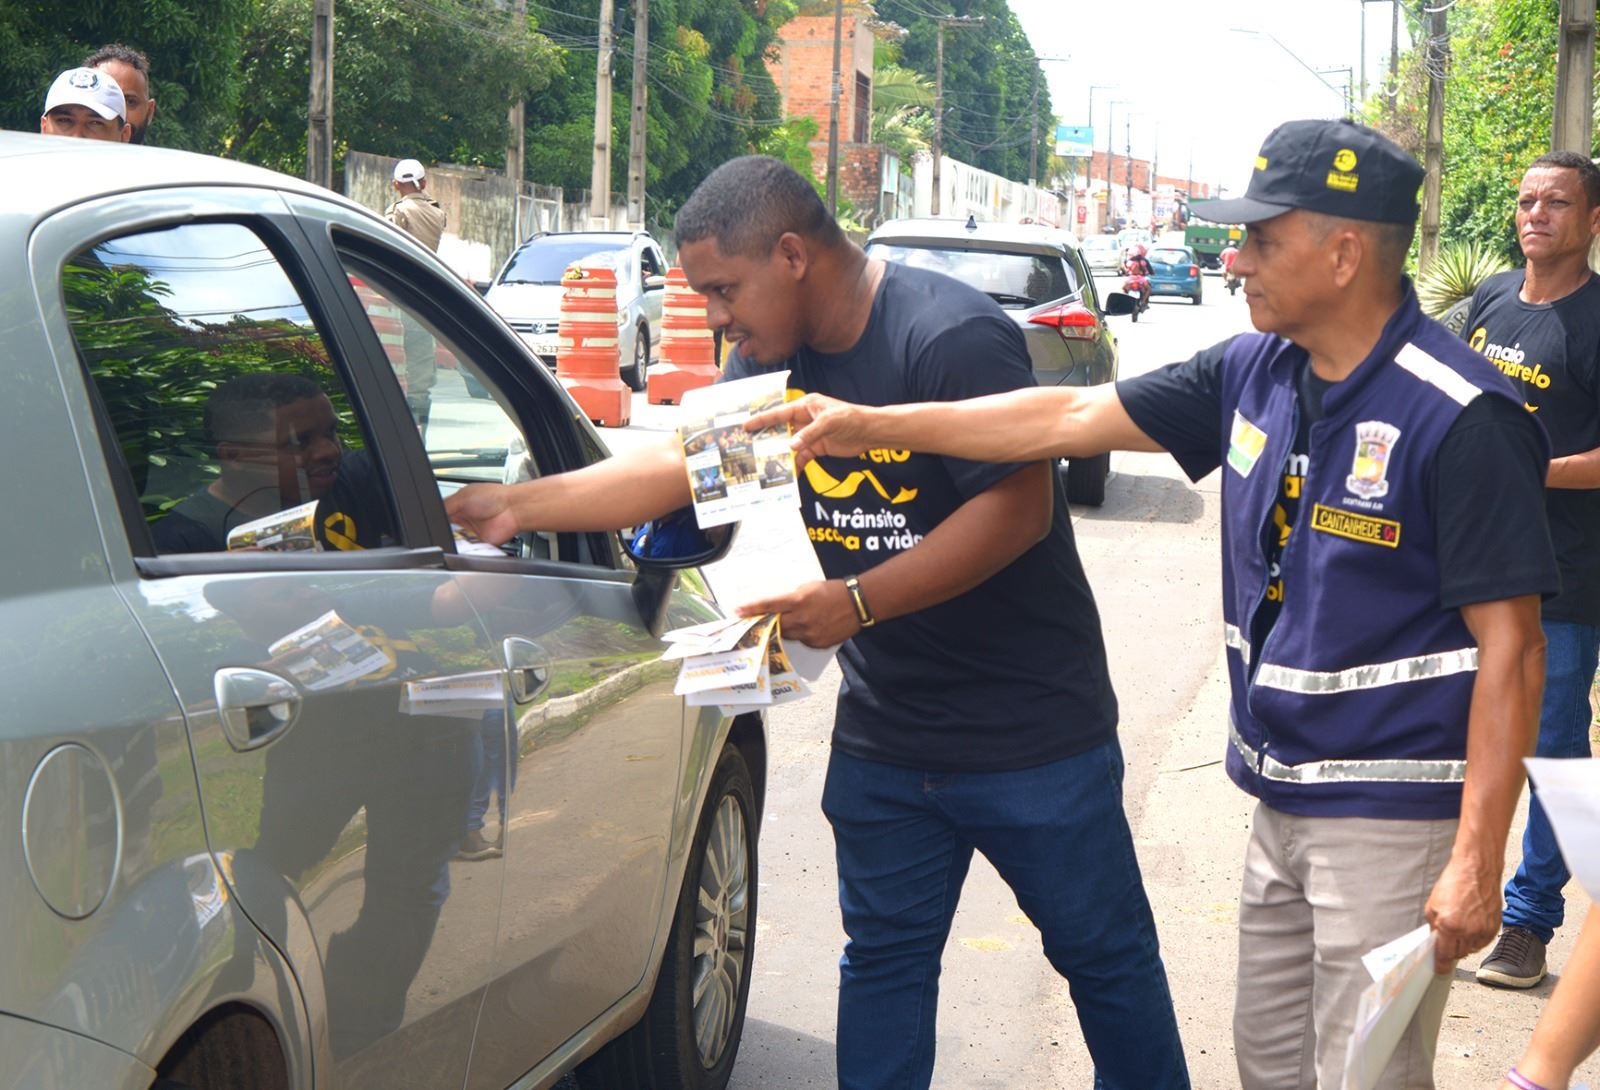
1517	960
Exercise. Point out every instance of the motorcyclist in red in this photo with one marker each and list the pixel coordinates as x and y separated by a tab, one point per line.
1227	256
1134	263
1136	267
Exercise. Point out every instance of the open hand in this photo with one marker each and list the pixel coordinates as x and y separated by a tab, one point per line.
823	426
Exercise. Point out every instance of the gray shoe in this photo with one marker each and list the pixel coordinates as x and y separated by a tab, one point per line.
1517	960
478	846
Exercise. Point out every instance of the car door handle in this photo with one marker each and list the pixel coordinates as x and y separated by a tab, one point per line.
527	667
255	706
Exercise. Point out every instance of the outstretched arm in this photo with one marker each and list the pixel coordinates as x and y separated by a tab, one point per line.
621	491
1017	426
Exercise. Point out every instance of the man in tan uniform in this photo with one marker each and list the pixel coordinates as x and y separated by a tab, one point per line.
420	216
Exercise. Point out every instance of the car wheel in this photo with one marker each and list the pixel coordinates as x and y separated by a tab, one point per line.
635	374
689	1036
1086	479
1195	298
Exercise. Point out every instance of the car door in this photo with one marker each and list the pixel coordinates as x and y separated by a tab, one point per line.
338	690
652	277
584	806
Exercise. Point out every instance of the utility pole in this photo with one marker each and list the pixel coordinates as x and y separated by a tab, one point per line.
600	170
638	117
319	118
1127	162
1033	134
834	94
516	135
1574	117
1111	128
945	22
1394	56
1436	56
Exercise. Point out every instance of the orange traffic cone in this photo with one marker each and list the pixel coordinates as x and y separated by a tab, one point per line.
688	359
588	359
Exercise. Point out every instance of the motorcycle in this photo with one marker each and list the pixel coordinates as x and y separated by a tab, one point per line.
1138	287
1230	281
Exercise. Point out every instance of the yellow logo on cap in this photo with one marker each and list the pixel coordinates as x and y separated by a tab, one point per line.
1345	183
1261	162
1345	160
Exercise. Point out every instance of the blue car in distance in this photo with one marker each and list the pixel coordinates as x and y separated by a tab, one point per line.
1174	270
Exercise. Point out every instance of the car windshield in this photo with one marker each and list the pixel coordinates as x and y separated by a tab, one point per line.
542	261
1100	242
1170	257
1011	279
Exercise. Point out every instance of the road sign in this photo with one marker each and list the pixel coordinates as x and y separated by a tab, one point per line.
1075	141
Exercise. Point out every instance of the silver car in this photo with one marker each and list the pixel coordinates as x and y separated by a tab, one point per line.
299	789
527	292
1038	277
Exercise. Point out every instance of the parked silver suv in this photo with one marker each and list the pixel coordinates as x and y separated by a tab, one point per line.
297	791
1037	275
527	292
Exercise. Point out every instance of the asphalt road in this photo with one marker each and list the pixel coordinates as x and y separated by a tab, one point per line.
1006	1020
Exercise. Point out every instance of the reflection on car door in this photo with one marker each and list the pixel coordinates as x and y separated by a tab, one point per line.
338	697
583	807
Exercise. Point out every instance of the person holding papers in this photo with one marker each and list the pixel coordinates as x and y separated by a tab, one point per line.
1384	557
976	710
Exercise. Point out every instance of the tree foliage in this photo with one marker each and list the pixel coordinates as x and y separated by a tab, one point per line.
1498	112
427	79
996	99
193	49
710	96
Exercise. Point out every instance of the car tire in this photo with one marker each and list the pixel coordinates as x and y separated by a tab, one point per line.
1086	479
636	373
682	1044
1195	298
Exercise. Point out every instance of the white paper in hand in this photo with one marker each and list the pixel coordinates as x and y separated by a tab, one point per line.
1401	972
1570	793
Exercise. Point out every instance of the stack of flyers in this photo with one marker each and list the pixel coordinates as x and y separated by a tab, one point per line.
735	663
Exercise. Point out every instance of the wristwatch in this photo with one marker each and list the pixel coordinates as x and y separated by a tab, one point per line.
859	600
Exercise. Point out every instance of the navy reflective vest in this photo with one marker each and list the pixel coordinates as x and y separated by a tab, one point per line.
1357	703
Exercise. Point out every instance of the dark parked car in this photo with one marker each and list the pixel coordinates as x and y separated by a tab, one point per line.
1038	276
299	790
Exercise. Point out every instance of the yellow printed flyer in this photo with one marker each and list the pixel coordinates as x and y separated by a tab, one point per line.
732	472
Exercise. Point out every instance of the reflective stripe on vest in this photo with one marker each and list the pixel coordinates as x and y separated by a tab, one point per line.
1347	771
1318	683
1235	639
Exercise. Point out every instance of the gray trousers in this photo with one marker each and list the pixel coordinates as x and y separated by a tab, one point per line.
1318	893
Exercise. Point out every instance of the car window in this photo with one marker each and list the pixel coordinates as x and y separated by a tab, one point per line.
1170	257
649	264
233	422
543	260
468	428
1011	279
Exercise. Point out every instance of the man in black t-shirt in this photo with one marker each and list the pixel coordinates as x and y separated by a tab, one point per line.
976	710
1541	326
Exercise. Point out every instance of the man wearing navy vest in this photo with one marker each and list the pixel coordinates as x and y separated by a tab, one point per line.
1384	557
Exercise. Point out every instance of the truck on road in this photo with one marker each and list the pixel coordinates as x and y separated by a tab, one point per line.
1208	240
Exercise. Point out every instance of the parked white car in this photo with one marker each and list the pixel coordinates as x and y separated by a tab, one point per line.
527	291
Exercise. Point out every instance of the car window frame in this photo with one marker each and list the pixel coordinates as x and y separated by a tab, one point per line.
536	400
274	225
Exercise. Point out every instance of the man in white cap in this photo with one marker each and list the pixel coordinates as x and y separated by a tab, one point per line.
86	104
420	216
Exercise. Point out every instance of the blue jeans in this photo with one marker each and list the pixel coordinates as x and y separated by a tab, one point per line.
1533	896
1059	838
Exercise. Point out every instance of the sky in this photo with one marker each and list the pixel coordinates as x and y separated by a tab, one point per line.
1203	78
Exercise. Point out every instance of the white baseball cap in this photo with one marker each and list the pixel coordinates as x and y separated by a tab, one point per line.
409	170
87	87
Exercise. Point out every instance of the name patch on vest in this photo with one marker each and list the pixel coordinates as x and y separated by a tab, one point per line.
1245	445
1373	531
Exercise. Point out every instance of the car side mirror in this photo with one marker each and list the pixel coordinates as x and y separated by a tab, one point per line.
481	287
1117	302
654	283
676	541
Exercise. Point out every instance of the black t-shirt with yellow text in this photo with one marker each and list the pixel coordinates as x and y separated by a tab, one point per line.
1011	674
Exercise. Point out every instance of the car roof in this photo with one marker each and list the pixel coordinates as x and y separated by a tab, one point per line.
936	229
64	170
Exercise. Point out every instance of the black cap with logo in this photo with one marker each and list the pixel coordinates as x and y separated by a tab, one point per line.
1338	168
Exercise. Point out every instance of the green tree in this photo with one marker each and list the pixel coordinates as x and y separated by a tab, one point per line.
429	79
193	50
902	108
996	98
710	95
